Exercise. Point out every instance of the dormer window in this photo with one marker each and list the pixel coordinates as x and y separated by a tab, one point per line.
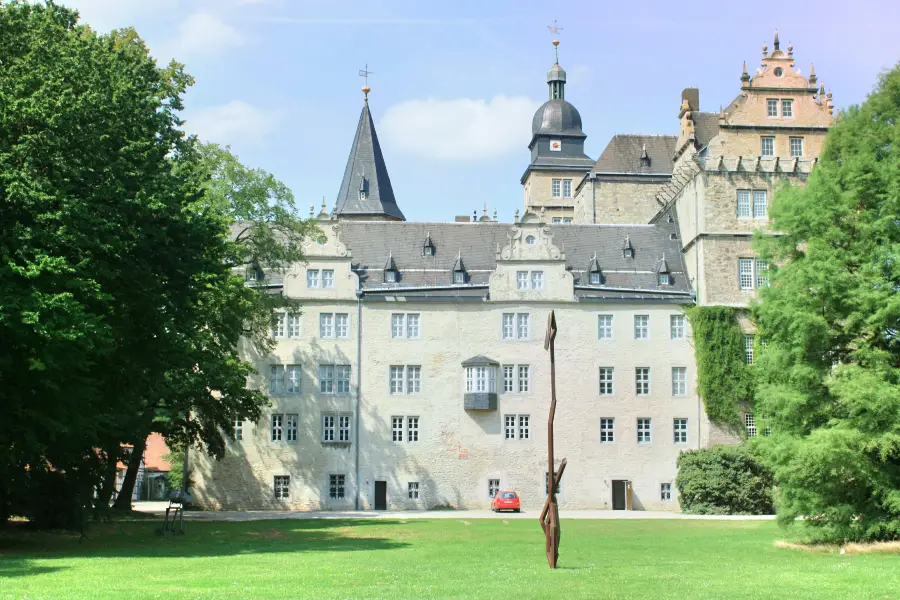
363	189
627	248
428	246
595	275
390	270
596	278
459	277
663	277
645	158
390	276
459	270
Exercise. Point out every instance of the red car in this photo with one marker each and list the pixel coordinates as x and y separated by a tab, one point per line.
505	500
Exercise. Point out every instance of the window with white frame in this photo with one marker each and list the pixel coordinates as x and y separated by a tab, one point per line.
413	490
276	380
642	381
760	204
413	379
521	280
605	327
334	325
797	146
336	484
676	327
641	327
509	427
326	325
396	380
328	428
405	325
312	278
278	325
412	429
665	492
293	376
277	428
596	278
643	431
481	379
787	108
745	273
284	379
556	188
293	325
529	280
767	146
397	429
567	188
343	428
336	428
607	430
750	424
748	349
743	204
459	277
537	280
556	220
411	425
327	278
282	485
524	378
493	487
679	381
523	326
509	326
680	430
406	379
509	380
606	381
291	428
772	107
412	326
524	423
334	379
516	378
238	430
568	220
762	273
516	427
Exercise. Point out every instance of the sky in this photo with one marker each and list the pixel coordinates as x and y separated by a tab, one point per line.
455	84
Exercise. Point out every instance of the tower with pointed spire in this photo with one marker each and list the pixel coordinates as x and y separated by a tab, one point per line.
558	161
366	193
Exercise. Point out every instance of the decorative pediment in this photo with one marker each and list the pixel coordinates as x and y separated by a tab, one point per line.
327	242
529	241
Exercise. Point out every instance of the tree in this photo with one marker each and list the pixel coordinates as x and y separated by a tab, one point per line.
829	376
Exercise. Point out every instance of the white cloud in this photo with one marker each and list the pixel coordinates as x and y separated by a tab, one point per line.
202	33
103	15
237	123
460	129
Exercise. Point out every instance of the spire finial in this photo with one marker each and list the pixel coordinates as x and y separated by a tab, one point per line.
745	77
812	74
323	202
365	88
554	29
776	43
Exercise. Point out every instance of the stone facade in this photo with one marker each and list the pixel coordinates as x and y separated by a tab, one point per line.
617	201
539	194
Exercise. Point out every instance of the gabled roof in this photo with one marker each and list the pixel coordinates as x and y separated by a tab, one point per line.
366	189
623	155
706	127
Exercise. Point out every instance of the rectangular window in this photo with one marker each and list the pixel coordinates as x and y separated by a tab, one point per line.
641	327
413	380
567	220
277	428
397	429
278	325
537	280
459	277
326	325
767	146
293	379
523	378
642	381
643	431
396	380
556	188
341	322
344	428
326	379
521	280
760	205
556	220
750	425
665	492
748	349
745	273
412	429
493	487
342	379
762	274
276	379
676	327
238	430
312	278
413	487
787	108
293	326
327	428
607	431
327	278
509	326
282	487
797	146
524	421
336	487
291	428
523	326
595	278
743	204
767	431
772	107
606	381
509	427
397	325
605	327
679	381
567	188
480	379
679	427
509	380
412	326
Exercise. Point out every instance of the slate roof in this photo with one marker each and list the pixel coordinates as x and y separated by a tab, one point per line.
557	117
706	127
367	172
371	241
623	155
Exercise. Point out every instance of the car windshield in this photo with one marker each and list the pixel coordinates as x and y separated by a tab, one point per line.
508	495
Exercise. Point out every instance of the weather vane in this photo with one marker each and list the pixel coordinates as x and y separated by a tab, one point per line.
555	30
365	73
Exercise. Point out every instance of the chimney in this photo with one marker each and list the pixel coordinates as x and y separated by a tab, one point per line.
463	219
692	95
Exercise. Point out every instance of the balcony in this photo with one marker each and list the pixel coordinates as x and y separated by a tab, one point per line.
480	391
480	401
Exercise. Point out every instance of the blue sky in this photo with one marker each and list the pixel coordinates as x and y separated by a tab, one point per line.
455	83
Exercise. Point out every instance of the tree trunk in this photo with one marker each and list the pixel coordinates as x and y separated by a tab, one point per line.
123	500
109	480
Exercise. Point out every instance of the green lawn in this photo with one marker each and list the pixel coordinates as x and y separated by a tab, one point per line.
451	558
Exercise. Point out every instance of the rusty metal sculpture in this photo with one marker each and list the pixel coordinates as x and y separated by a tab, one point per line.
550	514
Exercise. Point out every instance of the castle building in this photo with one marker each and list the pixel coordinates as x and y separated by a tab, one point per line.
415	375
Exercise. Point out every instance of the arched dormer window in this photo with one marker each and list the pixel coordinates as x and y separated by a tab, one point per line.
391	274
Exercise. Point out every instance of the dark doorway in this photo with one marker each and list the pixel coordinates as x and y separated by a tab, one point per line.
381	495
618	492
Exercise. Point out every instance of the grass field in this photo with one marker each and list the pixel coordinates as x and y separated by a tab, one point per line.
450	558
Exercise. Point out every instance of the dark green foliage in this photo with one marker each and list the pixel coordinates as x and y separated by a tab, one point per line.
829	379
723	379
724	480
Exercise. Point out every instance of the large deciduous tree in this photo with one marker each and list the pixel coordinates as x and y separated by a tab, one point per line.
829	377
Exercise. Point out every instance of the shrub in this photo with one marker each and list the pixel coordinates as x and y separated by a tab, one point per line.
724	480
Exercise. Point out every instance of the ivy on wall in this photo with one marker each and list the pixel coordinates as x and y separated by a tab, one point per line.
723	378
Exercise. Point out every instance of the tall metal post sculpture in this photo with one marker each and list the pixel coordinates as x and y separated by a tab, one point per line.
550	514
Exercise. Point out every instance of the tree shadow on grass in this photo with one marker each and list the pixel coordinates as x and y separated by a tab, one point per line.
21	551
